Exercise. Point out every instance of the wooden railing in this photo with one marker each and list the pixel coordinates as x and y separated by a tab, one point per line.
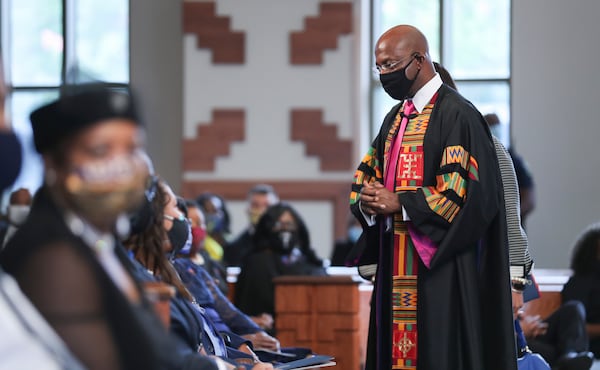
550	283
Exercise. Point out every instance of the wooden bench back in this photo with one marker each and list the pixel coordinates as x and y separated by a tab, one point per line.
550	283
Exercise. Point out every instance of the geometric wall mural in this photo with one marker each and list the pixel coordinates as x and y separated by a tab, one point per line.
320	33
213	32
280	79
321	140
214	139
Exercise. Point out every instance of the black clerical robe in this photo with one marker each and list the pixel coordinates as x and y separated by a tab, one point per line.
464	314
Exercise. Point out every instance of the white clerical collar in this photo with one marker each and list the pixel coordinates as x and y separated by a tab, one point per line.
425	93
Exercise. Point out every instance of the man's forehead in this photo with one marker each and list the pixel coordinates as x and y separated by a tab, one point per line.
259	198
392	41
392	49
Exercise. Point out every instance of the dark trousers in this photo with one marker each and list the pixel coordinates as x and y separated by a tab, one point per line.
566	333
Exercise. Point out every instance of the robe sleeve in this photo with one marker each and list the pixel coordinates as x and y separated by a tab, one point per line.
370	168
365	251
370	171
456	210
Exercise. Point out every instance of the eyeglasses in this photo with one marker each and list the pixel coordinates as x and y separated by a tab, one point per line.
390	66
288	226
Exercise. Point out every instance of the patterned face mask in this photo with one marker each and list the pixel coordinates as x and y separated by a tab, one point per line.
102	190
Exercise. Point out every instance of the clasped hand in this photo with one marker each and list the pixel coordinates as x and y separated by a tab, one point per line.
376	199
533	326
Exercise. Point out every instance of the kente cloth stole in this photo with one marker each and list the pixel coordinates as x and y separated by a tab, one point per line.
409	176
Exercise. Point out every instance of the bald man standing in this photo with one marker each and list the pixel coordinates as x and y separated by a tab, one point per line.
429	197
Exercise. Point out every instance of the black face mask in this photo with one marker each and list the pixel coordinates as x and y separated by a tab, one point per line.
180	236
396	84
284	241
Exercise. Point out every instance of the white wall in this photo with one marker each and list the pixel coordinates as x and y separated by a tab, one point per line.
555	96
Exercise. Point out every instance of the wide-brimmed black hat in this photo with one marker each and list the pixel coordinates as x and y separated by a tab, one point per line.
77	108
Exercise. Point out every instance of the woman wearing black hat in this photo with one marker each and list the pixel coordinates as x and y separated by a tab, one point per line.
64	255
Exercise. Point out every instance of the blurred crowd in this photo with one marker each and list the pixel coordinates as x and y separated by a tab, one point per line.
84	256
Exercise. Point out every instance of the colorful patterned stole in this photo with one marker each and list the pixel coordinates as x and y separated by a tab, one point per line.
409	176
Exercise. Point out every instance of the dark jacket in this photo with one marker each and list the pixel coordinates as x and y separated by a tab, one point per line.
61	276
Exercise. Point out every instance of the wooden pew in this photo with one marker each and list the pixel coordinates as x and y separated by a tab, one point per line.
328	314
550	283
232	274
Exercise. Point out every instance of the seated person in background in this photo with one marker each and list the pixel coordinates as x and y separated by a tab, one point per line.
64	256
281	246
561	338
190	264
217	224
16	212
193	330
342	247
260	197
215	269
584	284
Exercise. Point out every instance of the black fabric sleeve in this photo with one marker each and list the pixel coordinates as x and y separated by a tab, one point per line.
577	288
455	211
72	306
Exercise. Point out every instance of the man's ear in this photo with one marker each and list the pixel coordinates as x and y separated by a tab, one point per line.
420	58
